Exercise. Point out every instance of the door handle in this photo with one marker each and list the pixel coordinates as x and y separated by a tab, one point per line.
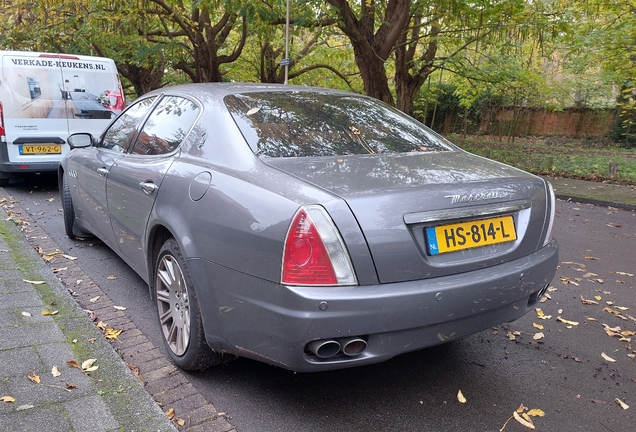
148	187
102	171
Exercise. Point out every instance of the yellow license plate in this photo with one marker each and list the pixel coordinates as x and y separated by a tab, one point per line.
29	149
468	235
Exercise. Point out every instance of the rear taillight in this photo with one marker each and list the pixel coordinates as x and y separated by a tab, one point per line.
552	203
3	137
315	253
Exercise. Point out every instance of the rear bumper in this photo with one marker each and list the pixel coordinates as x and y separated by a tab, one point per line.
21	167
273	323
31	167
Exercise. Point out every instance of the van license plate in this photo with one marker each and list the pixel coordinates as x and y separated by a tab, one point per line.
469	235
40	149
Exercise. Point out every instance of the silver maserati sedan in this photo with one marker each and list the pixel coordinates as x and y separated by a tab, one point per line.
308	228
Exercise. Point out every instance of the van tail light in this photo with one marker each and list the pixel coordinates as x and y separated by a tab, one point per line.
3	137
314	252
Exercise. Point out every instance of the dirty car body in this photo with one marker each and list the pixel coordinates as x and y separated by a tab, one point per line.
307	228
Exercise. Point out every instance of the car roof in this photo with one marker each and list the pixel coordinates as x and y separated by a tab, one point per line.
220	90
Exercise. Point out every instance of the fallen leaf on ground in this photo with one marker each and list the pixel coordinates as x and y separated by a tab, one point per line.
625	274
541	315
73	363
622	404
460	397
26	314
136	372
94	299
34	282
564	321
120	308
527	423
49	256
538	336
112	333
34	377
68	257
180	422
537	326
588	302
49	313
55	372
536	412
607	358
170	413
612	311
592	258
87	365
111	277
7	399
567	280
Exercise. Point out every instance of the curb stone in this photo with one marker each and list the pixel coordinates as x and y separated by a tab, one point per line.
160	378
107	399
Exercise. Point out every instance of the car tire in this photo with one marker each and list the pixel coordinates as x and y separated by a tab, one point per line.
179	313
69	212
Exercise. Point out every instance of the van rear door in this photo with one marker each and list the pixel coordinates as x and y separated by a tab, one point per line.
35	114
45	97
94	93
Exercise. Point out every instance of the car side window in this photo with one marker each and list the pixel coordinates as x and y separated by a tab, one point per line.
120	134
167	126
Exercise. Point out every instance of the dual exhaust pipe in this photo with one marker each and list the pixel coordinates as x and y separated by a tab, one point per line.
327	348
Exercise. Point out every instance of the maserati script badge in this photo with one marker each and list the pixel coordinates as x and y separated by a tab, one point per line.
475	197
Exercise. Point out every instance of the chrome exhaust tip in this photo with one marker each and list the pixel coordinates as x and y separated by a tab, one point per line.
353	346
324	348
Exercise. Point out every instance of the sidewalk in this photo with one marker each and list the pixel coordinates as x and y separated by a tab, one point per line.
605	194
109	398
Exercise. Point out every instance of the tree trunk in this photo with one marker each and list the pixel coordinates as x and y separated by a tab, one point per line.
143	79
373	73
373	47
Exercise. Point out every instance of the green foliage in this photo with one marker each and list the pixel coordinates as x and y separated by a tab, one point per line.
624	129
453	59
565	158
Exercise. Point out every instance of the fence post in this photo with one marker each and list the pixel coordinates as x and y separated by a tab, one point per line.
613	170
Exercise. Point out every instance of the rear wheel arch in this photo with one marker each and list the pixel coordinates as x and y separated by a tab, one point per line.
178	309
157	237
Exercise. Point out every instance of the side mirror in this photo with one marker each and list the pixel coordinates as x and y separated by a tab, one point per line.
80	140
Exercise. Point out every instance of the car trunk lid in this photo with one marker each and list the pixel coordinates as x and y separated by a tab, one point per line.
407	205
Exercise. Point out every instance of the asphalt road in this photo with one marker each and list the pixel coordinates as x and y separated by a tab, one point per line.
564	373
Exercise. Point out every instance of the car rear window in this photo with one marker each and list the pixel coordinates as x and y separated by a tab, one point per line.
303	124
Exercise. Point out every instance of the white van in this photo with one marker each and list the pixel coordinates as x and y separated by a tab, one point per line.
46	97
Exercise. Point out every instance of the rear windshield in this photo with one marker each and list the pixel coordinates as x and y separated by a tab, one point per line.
303	124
